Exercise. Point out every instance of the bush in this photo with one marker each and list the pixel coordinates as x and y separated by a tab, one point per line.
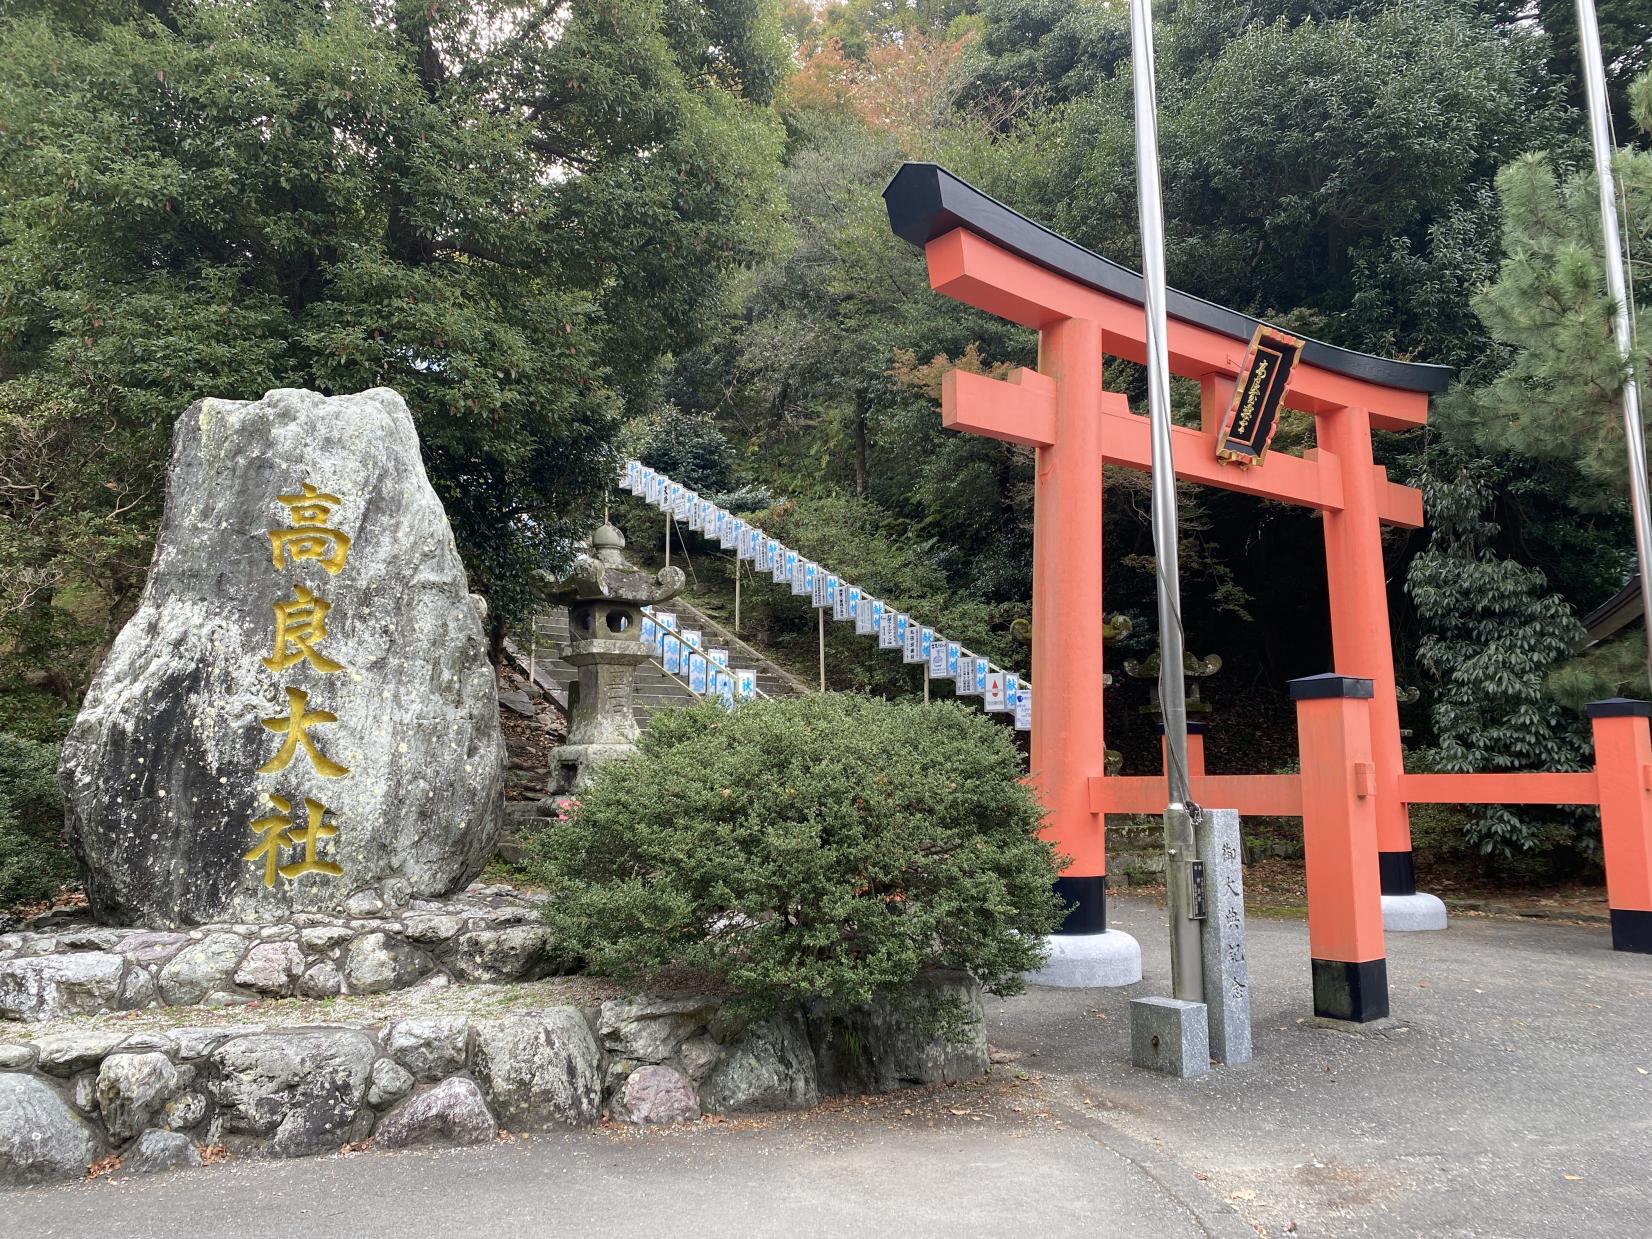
34	855
826	847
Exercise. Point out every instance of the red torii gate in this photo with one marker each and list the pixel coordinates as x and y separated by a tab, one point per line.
1353	792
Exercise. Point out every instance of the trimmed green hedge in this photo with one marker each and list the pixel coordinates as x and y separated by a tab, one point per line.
826	847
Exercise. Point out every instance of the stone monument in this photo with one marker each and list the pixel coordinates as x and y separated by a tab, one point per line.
605	597
301	716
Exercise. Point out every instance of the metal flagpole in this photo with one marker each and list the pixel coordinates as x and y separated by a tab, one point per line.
1600	133
1186	961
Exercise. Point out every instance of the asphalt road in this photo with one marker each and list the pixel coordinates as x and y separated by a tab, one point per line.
1512	1098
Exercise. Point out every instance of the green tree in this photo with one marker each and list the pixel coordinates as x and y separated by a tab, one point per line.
1491	632
511	212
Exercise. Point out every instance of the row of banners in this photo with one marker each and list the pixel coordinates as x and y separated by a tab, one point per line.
1001	692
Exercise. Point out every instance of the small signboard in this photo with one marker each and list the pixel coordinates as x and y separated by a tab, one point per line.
803	579
1253	414
1023	708
964	683
649	628
729	534
1012	691
745	684
719	658
822	589
725	689
993	698
697	673
937	660
785	566
673	654
864	627
765	554
912	647
751	542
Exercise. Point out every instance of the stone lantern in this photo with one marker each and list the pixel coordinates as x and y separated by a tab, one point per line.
605	597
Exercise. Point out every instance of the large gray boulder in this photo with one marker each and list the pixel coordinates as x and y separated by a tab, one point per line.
40	1137
540	1071
187	732
300	1092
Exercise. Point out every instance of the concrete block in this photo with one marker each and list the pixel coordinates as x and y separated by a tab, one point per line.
1170	1036
1412	913
1089	961
1227	966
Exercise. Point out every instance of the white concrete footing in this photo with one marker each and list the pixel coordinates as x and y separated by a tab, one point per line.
1089	961
1411	913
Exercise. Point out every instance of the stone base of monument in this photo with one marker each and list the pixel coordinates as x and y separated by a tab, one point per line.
1412	913
489	933
295	1078
1089	961
1170	1036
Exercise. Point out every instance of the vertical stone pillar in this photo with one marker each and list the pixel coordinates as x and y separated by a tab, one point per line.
1623	770
1222	940
1339	839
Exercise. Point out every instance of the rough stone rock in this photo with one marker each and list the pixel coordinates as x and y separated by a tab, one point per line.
375	963
83	1093
137	990
196	1043
271	968
320	980
517	953
44	987
131	1091
89	939
40	1137
63	1054
160	1150
655	1094
388	1083
16	1057
183	1111
326	937
429	1046
453	1112
153	946
162	767
650	1028
539	1071
200	968
278	933
306	1091
364	903
894	1044
433	928
517	702
698	1055
769	1068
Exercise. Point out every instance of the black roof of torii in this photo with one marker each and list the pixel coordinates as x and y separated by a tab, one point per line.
926	201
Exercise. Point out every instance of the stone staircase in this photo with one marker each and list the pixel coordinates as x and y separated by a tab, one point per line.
655	688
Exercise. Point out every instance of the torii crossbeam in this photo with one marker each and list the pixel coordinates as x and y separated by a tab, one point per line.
1084	307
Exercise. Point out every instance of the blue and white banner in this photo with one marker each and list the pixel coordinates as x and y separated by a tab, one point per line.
937	660
649	628
691	639
673	655
849	602
729	534
889	631
673	493
803	578
1012	691
864	624
633	474
725	689
1023	708
766	548
667	619
751	542
697	673
785	563
912	648
719	658
745	684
